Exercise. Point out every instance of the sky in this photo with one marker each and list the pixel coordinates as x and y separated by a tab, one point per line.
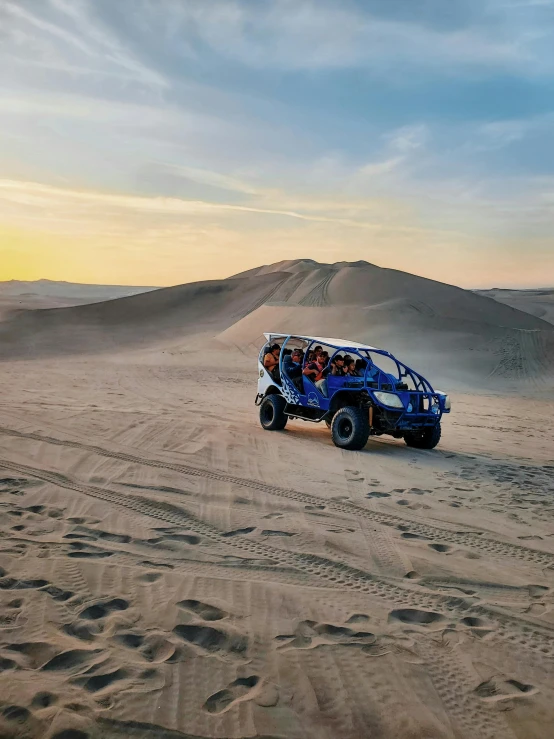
156	142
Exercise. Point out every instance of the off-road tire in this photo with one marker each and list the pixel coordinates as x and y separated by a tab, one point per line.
272	416
350	428
426	439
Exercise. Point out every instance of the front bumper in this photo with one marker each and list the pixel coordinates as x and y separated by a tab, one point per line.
421	410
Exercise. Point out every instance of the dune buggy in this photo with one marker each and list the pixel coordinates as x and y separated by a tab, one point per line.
399	401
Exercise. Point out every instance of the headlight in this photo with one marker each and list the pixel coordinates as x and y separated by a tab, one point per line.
390	399
447	403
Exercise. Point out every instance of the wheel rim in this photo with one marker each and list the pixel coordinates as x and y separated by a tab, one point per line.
267	413
344	429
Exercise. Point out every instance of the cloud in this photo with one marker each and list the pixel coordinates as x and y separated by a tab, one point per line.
309	35
379	168
57	34
33	201
205	177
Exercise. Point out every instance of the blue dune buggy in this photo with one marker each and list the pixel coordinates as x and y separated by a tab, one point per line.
399	402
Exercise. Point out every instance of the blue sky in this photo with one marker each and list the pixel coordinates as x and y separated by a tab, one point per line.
158	141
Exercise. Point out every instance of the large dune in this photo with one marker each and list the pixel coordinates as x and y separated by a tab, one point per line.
453	334
539	302
139	320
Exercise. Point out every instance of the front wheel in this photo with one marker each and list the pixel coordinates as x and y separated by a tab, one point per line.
272	415
425	439
350	428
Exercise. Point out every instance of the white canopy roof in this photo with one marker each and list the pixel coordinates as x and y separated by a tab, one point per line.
337	343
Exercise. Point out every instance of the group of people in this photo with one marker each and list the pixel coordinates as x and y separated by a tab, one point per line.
317	368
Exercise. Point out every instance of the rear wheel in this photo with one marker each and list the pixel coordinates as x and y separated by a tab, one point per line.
350	428
425	439
272	416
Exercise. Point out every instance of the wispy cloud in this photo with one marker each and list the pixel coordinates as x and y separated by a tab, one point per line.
304	34
56	33
367	126
207	177
41	198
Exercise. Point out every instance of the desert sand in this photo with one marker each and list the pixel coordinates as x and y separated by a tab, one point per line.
539	302
58	294
169	570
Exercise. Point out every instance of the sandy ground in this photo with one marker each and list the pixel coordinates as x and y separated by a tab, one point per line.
169	570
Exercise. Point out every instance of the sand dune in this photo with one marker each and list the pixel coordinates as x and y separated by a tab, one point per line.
139	320
169	570
538	303
454	334
363	284
57	294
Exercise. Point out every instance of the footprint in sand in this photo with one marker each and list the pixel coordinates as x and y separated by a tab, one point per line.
80	550
310	634
239	690
239	532
358	618
102	608
416	617
442	548
153	647
74	660
44	699
500	688
149	577
98	682
212	640
204	611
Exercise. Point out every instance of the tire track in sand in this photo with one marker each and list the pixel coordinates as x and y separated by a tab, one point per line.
518	631
471	539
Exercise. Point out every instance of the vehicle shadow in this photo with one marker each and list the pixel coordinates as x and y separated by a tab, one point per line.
386	446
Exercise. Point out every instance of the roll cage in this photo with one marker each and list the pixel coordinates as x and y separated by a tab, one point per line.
377	378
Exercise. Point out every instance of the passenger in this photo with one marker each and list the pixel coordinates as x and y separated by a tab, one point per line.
292	360
350	366
322	362
271	360
315	368
314	354
361	364
292	366
335	367
298	358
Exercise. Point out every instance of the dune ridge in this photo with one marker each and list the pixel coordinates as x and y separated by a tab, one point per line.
455	334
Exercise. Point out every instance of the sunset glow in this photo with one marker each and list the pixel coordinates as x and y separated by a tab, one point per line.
161	143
